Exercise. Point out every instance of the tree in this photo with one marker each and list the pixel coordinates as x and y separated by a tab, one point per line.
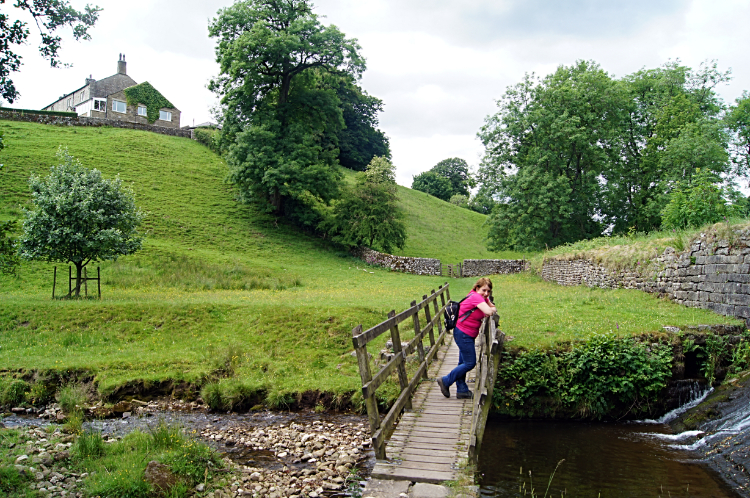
456	170
699	201
360	140
79	217
738	122
49	16
460	201
369	214
434	184
281	114
543	157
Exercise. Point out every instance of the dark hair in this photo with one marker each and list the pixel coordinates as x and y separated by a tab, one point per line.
482	282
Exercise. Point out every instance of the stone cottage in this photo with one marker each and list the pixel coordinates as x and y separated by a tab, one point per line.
107	98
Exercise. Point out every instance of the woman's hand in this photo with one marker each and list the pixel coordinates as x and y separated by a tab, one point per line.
487	309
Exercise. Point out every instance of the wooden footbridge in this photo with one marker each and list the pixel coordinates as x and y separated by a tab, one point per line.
426	437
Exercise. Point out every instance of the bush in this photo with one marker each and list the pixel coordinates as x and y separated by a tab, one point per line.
592	380
43	113
698	202
14	393
208	137
40	393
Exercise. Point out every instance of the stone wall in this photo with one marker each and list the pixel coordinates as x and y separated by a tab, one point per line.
713	273
84	121
480	267
416	266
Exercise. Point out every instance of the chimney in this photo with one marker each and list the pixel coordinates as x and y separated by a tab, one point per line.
90	80
121	65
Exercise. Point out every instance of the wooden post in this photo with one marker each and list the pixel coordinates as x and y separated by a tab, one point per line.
437	312
85	282
364	372
70	278
429	319
99	281
403	380
54	282
447	293
420	346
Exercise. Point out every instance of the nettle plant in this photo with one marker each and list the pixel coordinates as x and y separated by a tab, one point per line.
594	379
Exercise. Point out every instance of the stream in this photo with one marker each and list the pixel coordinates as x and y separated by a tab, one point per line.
599	460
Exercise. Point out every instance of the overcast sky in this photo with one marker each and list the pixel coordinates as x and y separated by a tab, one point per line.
438	65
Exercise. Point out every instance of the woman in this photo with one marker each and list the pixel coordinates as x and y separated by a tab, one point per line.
478	306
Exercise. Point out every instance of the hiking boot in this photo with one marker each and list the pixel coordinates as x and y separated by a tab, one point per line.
466	395
443	389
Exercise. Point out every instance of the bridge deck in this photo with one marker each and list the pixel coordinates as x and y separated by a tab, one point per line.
432	439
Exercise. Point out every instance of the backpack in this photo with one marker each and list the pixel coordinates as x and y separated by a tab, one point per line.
451	313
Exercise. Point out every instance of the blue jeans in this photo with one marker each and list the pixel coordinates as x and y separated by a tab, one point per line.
467	359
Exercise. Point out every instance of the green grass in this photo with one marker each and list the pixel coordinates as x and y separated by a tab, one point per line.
217	279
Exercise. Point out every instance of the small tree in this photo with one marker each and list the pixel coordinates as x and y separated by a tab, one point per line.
432	183
79	217
369	214
698	202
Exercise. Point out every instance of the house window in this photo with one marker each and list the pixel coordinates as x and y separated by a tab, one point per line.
142	110
69	102
100	105
118	106
165	115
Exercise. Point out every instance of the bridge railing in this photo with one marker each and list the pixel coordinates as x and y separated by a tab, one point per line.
381	429
490	341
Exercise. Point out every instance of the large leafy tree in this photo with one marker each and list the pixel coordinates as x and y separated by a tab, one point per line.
360	140
79	217
456	170
281	116
543	157
368	214
49	16
434	184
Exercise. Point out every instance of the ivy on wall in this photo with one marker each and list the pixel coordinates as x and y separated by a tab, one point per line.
150	97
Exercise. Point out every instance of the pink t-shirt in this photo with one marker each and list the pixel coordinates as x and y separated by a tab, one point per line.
470	326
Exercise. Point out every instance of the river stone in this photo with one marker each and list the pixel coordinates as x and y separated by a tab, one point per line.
424	490
159	476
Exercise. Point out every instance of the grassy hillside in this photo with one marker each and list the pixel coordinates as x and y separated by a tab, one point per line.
221	291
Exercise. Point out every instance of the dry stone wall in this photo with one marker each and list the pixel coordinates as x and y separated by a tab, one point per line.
417	266
713	273
84	121
480	267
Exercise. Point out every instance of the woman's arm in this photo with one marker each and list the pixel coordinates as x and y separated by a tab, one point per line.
487	309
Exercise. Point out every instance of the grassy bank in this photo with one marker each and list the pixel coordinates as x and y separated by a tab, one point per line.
223	293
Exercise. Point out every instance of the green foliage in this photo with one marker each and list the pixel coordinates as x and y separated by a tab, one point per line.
149	96
280	115
12	481
88	445
9	259
193	461
578	150
456	170
48	15
434	184
697	202
593	380
208	137
43	113
14	393
368	214
738	122
711	355
41	393
460	201
72	398
79	217
360	140
741	354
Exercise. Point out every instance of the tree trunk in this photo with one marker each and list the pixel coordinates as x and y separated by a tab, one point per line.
79	270
277	201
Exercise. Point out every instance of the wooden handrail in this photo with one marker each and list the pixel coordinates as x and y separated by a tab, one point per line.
381	429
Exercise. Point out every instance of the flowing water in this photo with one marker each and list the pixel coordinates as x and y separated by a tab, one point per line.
598	460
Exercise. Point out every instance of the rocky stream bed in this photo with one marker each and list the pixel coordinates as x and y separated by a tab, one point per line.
273	454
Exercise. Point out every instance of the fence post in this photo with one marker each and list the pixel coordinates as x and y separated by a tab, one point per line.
85	282
437	313
364	373
99	281
54	282
429	319
403	380
70	277
420	346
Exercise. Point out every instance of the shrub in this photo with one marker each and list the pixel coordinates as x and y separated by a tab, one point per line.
14	393
208	137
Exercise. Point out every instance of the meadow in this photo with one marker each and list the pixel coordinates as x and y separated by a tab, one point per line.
223	293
